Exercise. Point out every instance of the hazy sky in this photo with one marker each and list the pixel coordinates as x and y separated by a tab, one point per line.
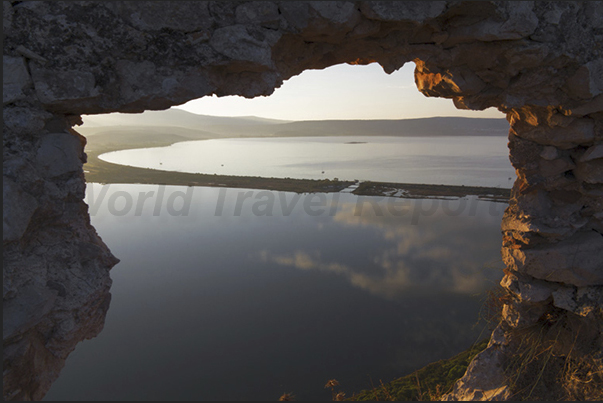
340	92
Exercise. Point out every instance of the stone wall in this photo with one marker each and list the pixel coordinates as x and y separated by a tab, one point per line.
539	62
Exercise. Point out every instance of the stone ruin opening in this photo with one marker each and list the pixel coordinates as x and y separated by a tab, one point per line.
133	203
539	62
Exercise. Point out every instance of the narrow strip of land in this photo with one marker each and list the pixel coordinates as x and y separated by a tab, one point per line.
97	170
416	191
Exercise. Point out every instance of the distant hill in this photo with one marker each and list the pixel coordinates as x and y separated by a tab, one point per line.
437	126
204	126
171	117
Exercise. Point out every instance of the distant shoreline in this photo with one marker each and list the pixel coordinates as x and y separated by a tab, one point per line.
104	172
163	128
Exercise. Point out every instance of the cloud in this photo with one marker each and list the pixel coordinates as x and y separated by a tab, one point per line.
441	254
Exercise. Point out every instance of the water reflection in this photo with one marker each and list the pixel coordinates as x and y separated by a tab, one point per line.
213	305
443	253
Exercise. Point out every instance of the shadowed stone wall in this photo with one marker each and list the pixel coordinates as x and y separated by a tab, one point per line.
539	62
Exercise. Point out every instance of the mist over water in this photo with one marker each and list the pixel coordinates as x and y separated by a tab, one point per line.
453	160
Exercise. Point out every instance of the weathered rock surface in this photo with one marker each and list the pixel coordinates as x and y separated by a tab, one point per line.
485	379
15	79
539	62
574	260
17	209
59	154
587	82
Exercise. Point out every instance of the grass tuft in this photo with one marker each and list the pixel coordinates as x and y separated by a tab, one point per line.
558	358
286	397
428	383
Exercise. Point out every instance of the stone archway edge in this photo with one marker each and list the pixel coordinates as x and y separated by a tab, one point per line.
539	62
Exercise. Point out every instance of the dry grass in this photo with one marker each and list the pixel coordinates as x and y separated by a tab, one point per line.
336	396
428	383
491	309
558	358
583	379
286	397
421	392
430	394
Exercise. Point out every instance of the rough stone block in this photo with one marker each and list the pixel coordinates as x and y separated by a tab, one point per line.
59	153
528	289
24	311
142	88
580	131
549	153
555	167
534	204
452	83
520	22
66	88
466	81
412	11
581	301
18	207
484	379
592	153
526	57
577	260
522	314
337	12
590	107
258	12
236	43
135	76
296	14
525	226
7	17
24	120
590	171
587	82
187	16
15	79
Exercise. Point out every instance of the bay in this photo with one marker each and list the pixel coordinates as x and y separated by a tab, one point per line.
238	294
447	160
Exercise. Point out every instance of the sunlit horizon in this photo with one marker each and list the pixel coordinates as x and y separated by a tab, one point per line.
341	92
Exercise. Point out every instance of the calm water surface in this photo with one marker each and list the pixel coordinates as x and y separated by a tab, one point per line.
469	161
245	295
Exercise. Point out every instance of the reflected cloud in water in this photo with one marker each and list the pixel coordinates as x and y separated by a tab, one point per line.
355	290
440	253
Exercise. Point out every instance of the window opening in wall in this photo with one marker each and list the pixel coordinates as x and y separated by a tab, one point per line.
345	227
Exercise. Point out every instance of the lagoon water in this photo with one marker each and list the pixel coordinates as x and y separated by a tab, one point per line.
234	294
452	160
